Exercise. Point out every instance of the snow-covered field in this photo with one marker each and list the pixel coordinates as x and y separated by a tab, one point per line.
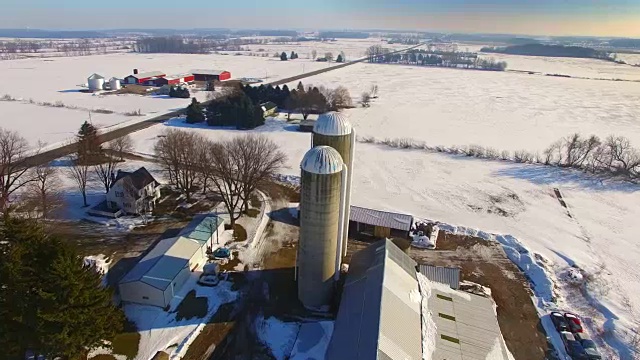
506	111
52	80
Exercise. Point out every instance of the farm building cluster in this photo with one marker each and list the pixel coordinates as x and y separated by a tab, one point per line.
97	82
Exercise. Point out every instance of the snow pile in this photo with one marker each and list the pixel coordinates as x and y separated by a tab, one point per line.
159	330
574	275
277	335
429	330
104	351
99	262
313	340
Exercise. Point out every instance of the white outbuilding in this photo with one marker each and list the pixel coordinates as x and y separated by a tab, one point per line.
162	272
95	82
114	83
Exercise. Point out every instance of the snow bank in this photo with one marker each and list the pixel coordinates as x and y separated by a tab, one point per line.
279	336
429	330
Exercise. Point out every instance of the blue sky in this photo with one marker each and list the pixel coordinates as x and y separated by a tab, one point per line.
553	17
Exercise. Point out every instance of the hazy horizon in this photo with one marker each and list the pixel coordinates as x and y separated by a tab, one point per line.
619	18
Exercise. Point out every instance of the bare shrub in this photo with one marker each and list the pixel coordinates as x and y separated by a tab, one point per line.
367	139
103	111
133	113
365	99
522	156
491	153
7	97
59	104
505	155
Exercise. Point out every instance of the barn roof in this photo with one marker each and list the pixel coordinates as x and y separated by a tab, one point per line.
409	317
148	74
381	218
382	284
207	72
444	275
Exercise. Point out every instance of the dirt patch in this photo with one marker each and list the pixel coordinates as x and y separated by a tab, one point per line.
103	357
126	344
252	213
192	307
281	191
213	333
239	233
485	263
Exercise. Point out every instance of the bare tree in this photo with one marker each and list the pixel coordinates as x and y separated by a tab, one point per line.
44	192
328	56
341	98
105	172
121	146
14	170
260	159
374	91
79	172
224	168
314	54
365	99
624	157
177	151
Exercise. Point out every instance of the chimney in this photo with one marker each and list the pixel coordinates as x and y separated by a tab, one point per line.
135	71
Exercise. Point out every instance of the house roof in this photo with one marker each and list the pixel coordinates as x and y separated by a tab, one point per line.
148	74
95	76
207	72
381	218
139	178
382	284
444	275
407	315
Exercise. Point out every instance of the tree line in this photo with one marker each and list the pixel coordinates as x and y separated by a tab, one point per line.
378	54
551	50
233	169
242	106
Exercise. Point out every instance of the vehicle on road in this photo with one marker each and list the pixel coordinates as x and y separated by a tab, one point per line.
573	346
559	321
575	325
222	253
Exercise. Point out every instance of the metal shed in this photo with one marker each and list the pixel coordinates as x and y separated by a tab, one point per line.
378	223
444	275
210	75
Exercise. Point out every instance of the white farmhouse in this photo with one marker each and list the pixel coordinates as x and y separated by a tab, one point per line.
133	192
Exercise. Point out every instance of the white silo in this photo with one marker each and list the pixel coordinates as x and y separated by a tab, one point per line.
333	129
323	187
95	82
114	83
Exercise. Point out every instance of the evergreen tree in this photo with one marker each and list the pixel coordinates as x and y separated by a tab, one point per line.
300	88
283	56
88	144
195	114
293	55
50	303
339	58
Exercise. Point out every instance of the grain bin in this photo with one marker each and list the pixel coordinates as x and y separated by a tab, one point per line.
95	82
323	187
114	83
333	129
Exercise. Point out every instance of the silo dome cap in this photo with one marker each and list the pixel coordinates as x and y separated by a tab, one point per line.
322	160
332	124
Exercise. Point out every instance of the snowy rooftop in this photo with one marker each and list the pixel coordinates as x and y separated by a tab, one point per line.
409	317
332	124
381	218
322	160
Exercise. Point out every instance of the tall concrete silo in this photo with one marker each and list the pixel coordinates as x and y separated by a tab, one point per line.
333	129
95	82
323	188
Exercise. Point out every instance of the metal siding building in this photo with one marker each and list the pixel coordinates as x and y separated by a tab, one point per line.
160	274
444	275
379	223
379	284
142	77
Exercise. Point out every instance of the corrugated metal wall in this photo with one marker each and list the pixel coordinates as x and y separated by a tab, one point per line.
445	275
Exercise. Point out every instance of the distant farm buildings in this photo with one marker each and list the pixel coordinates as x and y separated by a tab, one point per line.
140	78
210	75
170	80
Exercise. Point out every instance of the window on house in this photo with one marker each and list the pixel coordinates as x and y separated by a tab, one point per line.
145	298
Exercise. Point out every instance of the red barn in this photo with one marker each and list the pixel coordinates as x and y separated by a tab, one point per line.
169	80
211	75
142	77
